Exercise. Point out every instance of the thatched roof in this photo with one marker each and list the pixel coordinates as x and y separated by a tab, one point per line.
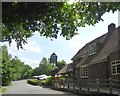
67	68
105	44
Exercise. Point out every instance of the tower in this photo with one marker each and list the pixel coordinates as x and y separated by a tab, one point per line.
53	59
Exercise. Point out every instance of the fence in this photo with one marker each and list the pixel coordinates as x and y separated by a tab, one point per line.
106	86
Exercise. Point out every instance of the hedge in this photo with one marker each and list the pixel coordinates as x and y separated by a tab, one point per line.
33	81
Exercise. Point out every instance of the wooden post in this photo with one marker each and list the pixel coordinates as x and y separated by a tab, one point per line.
68	80
63	82
119	92
60	83
79	84
110	85
68	84
74	77
53	83
73	84
88	87
98	83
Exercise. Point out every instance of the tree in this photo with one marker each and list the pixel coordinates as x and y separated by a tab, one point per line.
20	70
27	72
36	71
43	61
60	65
21	19
44	68
12	68
6	66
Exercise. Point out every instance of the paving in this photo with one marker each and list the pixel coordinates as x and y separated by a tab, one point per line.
21	87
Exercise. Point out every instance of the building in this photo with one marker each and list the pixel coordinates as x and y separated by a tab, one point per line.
99	58
66	71
53	59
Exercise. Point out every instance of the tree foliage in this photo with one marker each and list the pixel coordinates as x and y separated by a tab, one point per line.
60	65
6	66
44	68
20	20
20	71
13	68
47	68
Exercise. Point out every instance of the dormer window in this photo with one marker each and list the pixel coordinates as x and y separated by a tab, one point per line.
92	49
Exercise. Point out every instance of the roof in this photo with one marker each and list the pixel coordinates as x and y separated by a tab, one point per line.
53	54
107	44
84	49
110	45
67	68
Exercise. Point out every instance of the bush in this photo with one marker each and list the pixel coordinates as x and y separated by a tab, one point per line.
47	82
6	82
33	81
62	78
2	89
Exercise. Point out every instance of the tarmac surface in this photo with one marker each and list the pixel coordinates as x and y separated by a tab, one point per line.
21	87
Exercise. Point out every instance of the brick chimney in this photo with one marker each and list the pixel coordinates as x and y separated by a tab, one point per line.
111	27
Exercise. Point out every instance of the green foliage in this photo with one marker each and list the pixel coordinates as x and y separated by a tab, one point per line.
20	70
6	66
13	68
44	68
2	89
43	61
62	78
36	71
60	65
33	81
48	82
48	18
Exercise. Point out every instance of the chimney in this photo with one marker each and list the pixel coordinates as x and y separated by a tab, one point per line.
111	27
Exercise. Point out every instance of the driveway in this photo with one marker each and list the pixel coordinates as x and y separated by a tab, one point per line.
21	87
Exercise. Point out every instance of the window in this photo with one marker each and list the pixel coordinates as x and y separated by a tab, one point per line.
83	71
115	67
92	49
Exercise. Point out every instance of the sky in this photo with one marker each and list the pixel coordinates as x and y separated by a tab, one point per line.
39	47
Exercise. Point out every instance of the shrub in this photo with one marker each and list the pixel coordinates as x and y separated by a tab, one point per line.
33	81
6	82
47	82
2	89
62	78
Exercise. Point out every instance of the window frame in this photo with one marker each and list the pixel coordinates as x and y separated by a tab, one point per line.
92	49
84	71
114	64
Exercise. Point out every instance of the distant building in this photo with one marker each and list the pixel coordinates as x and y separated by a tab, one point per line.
53	59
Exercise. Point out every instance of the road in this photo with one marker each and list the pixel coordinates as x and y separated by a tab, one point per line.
21	87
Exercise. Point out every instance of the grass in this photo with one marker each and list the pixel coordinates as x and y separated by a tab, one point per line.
2	89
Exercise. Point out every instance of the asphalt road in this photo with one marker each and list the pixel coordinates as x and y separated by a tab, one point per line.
21	87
